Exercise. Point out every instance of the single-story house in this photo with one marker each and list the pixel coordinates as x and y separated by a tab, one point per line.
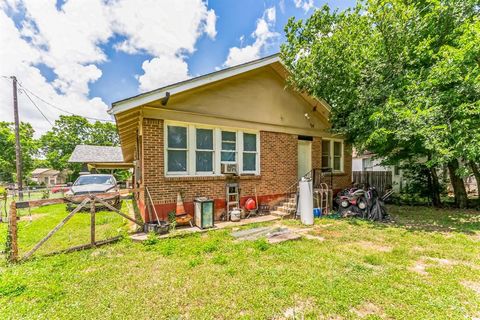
48	177
190	136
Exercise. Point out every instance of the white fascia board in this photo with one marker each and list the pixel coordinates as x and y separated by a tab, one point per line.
145	98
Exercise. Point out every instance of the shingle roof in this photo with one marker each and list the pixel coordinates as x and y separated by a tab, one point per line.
96	154
44	171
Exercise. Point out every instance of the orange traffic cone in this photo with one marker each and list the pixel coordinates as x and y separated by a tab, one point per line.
180	210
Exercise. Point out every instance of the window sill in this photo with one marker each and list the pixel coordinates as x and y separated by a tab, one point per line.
212	177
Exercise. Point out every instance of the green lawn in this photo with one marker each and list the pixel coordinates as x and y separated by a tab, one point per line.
424	265
76	231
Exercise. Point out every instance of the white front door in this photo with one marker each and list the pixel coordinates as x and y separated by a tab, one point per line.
304	157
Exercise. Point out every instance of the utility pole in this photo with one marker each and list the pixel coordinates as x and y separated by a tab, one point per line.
18	150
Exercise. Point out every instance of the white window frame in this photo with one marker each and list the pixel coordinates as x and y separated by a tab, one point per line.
241	152
217	149
331	154
236	146
167	148
204	173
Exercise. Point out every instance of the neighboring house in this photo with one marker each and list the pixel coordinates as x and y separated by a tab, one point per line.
182	138
48	177
367	162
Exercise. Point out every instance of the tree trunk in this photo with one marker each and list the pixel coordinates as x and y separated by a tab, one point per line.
461	199
436	201
476	173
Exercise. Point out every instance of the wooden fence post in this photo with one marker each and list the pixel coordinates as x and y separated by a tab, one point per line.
52	232
92	221
12	239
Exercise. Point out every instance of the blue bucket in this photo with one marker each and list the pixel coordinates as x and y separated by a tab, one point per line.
317	212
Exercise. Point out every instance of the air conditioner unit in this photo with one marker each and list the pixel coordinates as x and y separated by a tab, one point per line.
229	168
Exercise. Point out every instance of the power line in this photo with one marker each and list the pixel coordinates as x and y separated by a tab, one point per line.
58	108
23	90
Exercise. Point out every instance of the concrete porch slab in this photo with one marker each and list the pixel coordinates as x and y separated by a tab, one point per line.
142	236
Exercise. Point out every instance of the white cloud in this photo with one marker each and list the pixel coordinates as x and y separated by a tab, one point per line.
281	5
264	37
306	5
160	27
210	24
162	71
69	42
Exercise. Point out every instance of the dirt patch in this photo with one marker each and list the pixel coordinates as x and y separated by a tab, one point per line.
444	262
332	234
475	286
310	234
374	246
368	309
313	237
419	267
33	217
476	237
418	249
298	311
422	263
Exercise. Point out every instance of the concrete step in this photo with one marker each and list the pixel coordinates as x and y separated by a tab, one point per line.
286	209
279	213
290	204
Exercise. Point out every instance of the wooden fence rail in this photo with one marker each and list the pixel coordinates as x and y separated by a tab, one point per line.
381	180
12	246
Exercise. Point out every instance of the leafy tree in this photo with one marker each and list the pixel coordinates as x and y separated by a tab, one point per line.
70	131
103	134
59	143
402	78
29	149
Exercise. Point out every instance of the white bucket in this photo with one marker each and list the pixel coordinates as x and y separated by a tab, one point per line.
306	202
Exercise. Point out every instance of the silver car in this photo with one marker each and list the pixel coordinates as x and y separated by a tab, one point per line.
94	184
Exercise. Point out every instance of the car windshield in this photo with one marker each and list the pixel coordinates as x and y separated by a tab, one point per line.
84	180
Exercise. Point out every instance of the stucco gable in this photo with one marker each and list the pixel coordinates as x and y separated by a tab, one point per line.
257	96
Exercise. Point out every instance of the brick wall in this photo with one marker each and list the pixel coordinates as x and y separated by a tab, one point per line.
278	171
340	180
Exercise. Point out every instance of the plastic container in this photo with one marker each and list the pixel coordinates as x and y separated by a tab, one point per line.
159	227
317	212
235	214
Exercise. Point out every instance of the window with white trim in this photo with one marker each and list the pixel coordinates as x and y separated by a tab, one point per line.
332	154
204	150
229	147
177	150
249	152
200	150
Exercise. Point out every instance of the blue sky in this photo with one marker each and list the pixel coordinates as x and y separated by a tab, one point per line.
82	55
234	19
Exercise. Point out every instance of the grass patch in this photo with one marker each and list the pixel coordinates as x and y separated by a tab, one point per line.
360	269
75	232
